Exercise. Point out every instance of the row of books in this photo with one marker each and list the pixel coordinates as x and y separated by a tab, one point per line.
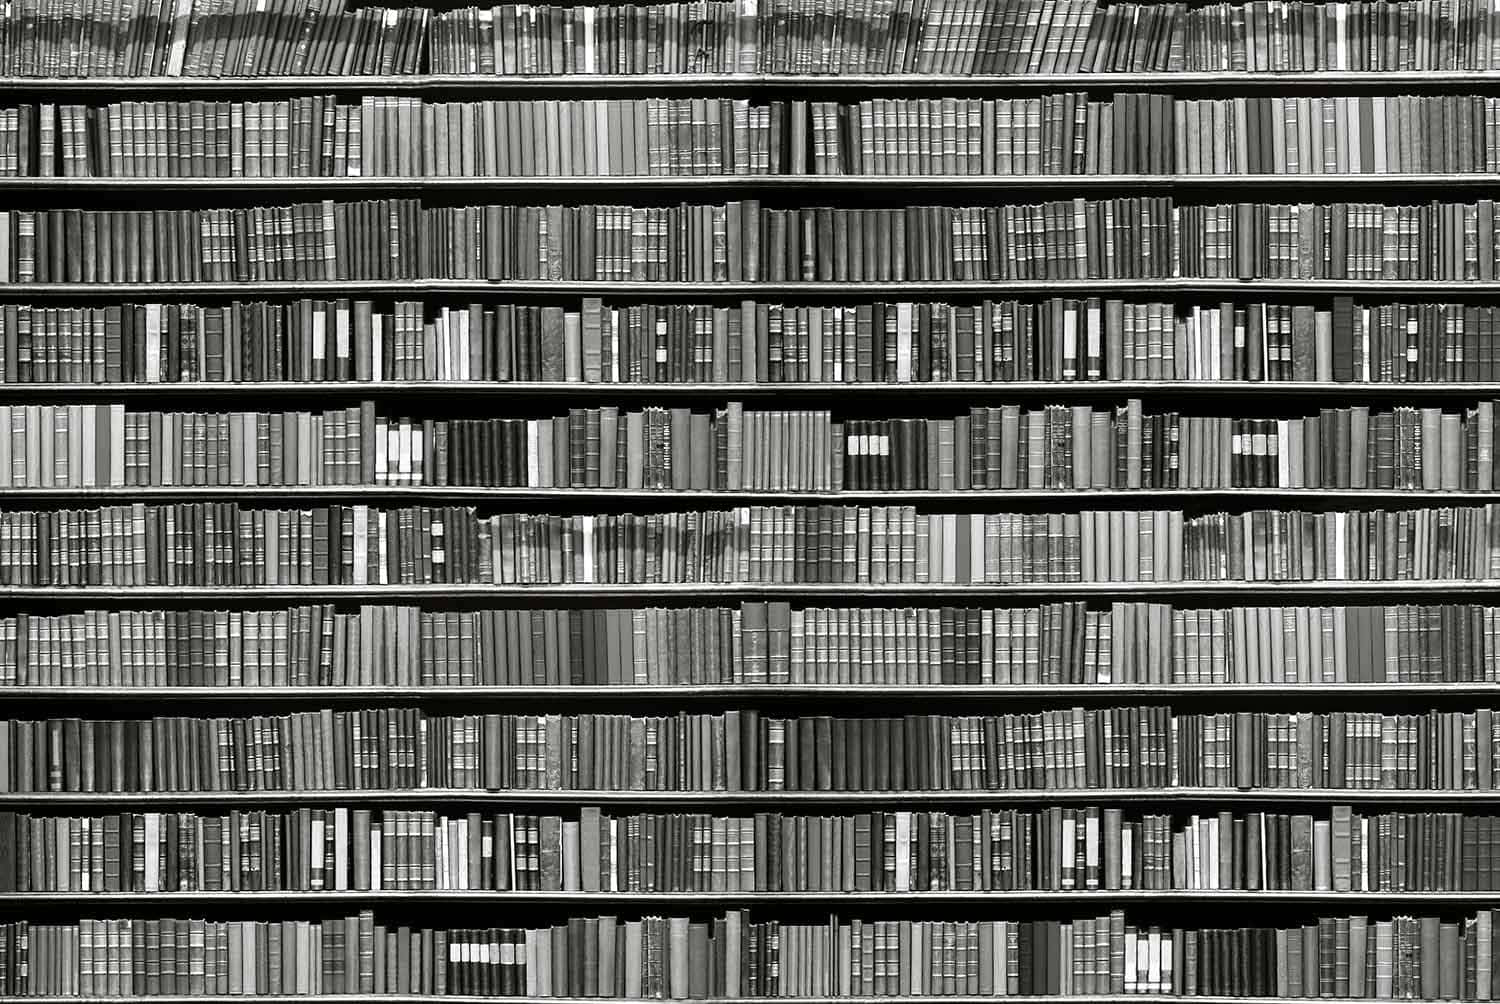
758	643
1329	135
102	445
1306	241
223	543
1030	37
1278	36
731	956
960	37
999	850
393	239
405	749
779	36
1122	238
157	37
1079	447
1065	133
992	448
755	342
393	136
712	37
1069	134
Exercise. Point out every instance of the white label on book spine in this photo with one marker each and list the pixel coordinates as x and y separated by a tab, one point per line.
614	345
319	336
588	548
1069	849
152	878
1091	847
903	343
590	63
361	544
903	852
153	343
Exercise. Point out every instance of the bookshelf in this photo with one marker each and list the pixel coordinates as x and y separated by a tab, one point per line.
1377	671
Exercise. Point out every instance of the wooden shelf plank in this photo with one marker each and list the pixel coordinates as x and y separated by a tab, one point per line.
1051	390
761	183
987	391
904	290
676	499
723	800
699	592
1053	693
644	900
1321	81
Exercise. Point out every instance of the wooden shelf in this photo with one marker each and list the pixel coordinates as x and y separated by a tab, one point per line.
1050	390
647	900
905	290
843	184
1417	81
1107	498
394	998
1094	693
717	801
699	592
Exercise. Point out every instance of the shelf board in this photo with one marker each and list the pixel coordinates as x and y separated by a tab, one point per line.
699	592
1052	390
841	999
701	83
1063	499
856	183
762	799
993	289
646	900
1089	692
